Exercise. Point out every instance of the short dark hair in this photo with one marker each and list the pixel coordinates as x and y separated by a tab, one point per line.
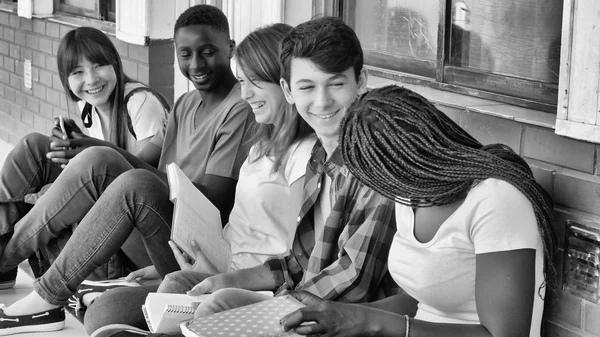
328	42
203	15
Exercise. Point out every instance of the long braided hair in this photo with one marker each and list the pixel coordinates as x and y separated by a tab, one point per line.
400	145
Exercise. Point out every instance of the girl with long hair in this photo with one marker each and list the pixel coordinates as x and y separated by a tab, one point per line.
475	242
117	112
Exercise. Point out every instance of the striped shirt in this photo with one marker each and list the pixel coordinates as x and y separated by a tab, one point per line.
348	261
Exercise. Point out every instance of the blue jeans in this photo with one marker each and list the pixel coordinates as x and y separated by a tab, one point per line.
66	202
137	199
25	171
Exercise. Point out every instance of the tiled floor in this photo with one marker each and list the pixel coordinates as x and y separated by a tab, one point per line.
72	327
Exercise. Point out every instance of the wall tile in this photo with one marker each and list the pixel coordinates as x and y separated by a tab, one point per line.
563	307
15	51
489	129
26	24
45	78
554	330
46	45
32	41
138	53
577	190
8	34
52	29
592	318
39	26
545	145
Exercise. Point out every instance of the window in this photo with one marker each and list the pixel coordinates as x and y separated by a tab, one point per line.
97	9
503	50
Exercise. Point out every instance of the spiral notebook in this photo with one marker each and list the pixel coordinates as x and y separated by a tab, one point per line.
255	320
164	312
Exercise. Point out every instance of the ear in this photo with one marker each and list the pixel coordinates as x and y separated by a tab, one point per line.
231	48
286	91
362	81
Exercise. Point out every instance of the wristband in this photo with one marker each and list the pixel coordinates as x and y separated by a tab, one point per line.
407	330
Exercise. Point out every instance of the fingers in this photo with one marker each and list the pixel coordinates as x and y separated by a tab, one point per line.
135	275
307	316
201	260
71	126
201	288
181	260
59	144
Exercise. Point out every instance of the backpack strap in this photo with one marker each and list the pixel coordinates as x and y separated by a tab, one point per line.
160	98
86	113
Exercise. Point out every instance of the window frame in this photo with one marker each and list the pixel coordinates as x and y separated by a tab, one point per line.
440	74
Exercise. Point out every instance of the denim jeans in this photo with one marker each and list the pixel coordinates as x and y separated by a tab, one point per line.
136	199
25	171
66	202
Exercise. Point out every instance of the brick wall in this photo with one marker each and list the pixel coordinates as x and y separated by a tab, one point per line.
568	169
25	110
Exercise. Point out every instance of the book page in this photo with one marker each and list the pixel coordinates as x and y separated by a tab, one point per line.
196	218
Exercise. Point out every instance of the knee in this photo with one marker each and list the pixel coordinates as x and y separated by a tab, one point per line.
141	181
116	306
98	155
34	143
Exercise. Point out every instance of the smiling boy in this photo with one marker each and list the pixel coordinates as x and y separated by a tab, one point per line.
206	136
344	228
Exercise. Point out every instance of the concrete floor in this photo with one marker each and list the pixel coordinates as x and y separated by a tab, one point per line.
23	287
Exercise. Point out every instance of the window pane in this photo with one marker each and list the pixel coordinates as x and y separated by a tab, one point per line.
511	37
84	4
395	29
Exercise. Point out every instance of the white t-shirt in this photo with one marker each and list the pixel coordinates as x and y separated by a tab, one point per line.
440	274
262	222
147	117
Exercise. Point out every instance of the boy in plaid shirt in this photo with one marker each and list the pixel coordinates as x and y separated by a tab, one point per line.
344	228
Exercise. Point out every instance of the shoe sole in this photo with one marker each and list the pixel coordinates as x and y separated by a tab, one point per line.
33	328
7	285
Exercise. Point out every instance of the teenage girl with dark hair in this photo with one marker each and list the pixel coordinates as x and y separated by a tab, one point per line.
91	73
475	241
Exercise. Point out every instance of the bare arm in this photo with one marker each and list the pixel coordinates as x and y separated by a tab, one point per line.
257	278
505	286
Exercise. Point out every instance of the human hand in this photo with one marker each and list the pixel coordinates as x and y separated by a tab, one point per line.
212	284
69	125
144	274
327	318
63	150
199	263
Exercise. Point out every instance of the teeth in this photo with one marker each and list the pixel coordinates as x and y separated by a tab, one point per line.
95	91
199	77
257	105
327	116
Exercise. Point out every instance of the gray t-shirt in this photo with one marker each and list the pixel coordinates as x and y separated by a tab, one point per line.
218	146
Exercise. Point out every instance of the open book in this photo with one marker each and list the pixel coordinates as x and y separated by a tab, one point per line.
164	312
255	320
196	218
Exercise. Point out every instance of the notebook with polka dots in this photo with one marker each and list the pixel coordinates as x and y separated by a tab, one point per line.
255	320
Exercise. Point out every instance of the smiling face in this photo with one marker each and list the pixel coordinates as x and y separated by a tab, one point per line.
265	98
93	83
322	98
203	55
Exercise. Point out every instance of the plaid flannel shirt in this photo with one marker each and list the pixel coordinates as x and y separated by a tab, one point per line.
348	262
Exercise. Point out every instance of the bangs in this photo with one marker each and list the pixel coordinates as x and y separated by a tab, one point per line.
86	49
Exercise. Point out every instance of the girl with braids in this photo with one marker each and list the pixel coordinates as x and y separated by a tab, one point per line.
117	111
474	244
